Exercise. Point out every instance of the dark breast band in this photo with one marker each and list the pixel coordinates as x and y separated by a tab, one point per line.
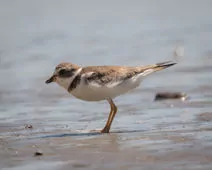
74	83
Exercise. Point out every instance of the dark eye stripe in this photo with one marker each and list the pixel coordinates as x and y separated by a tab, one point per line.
62	71
66	73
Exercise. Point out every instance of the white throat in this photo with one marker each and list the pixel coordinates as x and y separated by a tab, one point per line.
65	82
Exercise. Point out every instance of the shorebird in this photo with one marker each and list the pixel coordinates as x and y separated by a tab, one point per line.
96	83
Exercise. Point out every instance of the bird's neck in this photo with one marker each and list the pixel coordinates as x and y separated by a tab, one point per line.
66	82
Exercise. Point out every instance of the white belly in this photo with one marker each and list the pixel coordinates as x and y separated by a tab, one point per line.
94	92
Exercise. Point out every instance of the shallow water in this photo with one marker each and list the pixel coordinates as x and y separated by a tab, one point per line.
171	134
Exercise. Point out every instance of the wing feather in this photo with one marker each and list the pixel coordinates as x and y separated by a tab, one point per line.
107	76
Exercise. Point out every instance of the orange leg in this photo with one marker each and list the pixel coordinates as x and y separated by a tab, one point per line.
113	110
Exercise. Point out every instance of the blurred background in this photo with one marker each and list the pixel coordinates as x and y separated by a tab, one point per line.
35	36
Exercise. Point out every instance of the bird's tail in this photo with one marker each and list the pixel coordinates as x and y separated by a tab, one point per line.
161	66
156	67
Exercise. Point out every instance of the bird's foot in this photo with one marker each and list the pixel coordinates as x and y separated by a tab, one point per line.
105	130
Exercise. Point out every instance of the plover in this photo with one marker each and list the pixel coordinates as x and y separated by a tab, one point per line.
96	83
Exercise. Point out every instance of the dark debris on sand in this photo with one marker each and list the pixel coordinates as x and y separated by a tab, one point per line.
38	153
170	95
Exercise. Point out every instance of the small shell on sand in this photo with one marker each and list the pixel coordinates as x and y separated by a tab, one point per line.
28	126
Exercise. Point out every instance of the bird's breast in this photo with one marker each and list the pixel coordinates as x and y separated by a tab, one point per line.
97	92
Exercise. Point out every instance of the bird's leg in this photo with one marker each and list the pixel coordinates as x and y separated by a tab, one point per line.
107	127
113	111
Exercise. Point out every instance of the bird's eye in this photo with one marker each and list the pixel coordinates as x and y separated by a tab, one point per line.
72	70
62	71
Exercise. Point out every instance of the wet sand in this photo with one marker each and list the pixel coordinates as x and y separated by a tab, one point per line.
146	134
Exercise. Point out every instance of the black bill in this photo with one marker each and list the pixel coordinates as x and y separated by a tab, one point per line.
50	80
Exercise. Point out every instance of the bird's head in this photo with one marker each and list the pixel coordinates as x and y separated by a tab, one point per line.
64	74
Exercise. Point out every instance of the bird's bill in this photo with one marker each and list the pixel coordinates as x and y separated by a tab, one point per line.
51	79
